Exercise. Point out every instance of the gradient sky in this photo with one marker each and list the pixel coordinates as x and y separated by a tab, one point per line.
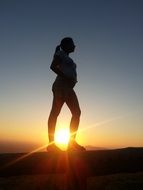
109	54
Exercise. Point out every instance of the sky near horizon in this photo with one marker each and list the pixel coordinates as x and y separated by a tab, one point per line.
108	35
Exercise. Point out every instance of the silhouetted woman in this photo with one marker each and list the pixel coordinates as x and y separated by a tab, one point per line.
63	92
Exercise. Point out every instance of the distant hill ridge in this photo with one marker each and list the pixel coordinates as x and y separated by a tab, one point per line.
90	147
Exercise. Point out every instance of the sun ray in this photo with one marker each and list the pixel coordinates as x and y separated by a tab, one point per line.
26	155
101	123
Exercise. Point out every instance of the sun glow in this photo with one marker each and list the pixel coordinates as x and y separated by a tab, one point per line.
62	137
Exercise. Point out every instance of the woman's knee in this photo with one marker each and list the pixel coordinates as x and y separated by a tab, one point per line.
55	112
79	112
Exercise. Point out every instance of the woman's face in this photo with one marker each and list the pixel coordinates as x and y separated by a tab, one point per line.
70	47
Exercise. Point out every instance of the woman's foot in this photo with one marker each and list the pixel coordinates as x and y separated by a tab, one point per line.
53	148
74	146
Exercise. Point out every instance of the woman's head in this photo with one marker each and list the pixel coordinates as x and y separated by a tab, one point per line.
67	45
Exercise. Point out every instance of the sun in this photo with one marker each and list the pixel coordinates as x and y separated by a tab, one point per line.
62	137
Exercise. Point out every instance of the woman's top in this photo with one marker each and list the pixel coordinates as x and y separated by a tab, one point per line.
67	67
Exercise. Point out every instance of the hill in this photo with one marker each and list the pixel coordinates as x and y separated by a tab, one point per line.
118	169
90	147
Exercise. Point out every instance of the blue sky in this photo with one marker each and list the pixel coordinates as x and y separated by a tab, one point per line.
109	44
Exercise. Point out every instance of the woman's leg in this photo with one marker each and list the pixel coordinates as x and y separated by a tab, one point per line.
56	108
73	104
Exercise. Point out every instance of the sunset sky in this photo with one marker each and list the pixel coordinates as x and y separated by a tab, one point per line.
108	35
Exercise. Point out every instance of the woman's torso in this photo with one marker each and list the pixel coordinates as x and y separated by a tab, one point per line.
68	67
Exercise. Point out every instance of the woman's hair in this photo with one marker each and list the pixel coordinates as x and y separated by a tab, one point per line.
57	49
64	42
